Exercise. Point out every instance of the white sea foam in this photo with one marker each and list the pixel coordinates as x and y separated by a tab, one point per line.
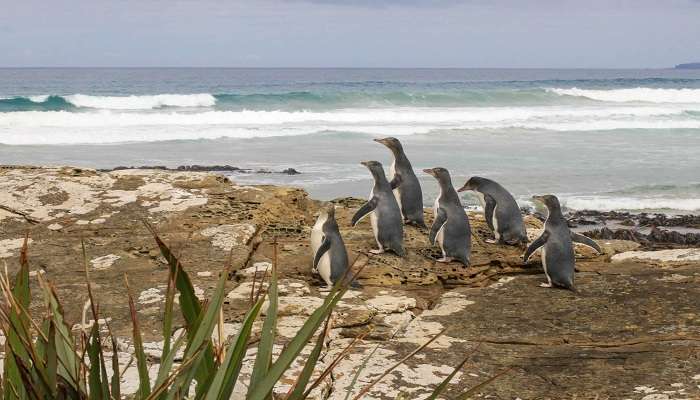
141	102
39	98
640	94
108	126
605	203
447	117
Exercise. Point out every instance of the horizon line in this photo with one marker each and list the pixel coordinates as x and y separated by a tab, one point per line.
239	67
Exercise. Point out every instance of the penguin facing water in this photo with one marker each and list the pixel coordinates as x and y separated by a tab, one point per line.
330	256
501	212
384	212
450	228
408	194
558	257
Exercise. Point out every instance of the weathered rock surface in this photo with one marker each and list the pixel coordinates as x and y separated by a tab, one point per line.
633	330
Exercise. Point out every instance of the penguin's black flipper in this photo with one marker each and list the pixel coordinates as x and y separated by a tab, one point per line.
396	182
325	245
364	210
539	242
578	238
489	208
440	220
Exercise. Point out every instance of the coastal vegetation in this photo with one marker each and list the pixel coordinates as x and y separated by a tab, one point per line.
44	359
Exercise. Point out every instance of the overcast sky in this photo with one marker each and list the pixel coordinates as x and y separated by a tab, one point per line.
353	33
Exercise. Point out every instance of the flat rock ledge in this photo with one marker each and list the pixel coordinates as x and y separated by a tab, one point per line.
631	332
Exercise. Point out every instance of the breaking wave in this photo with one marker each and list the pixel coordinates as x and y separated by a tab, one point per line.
640	94
609	203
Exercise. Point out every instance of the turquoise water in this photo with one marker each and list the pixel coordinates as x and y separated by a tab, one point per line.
601	139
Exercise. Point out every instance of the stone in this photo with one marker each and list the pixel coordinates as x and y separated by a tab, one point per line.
632	330
104	262
666	257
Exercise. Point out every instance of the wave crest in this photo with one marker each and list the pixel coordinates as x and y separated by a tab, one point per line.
105	126
640	94
608	203
147	102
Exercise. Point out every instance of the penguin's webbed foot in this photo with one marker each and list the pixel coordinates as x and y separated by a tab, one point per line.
491	241
545	285
326	288
444	260
376	251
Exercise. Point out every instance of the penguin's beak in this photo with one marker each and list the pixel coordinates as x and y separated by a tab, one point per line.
464	188
382	141
429	171
365	163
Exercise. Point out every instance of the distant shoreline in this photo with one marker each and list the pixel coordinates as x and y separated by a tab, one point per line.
695	65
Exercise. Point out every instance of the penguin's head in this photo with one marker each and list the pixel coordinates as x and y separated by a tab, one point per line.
391	142
549	200
439	173
472	184
330	210
375	167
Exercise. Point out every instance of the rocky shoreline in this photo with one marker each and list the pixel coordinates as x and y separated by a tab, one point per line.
632	332
652	231
206	168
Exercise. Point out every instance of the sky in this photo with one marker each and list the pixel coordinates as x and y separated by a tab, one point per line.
351	33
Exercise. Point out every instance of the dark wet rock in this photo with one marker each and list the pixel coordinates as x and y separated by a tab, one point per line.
205	168
121	168
208	168
686	221
657	238
630	219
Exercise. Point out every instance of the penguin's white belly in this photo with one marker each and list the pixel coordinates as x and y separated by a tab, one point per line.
397	196
316	240
494	221
544	263
324	267
375	226
440	239
373	220
440	236
317	236
392	174
317	233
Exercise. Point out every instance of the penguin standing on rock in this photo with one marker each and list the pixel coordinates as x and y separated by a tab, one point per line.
384	212
409	194
558	257
501	212
330	255
451	225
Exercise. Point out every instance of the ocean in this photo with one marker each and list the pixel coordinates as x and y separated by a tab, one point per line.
599	139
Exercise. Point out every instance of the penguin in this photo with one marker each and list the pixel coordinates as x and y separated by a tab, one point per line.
451	225
384	212
317	235
409	194
558	258
330	257
501	212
